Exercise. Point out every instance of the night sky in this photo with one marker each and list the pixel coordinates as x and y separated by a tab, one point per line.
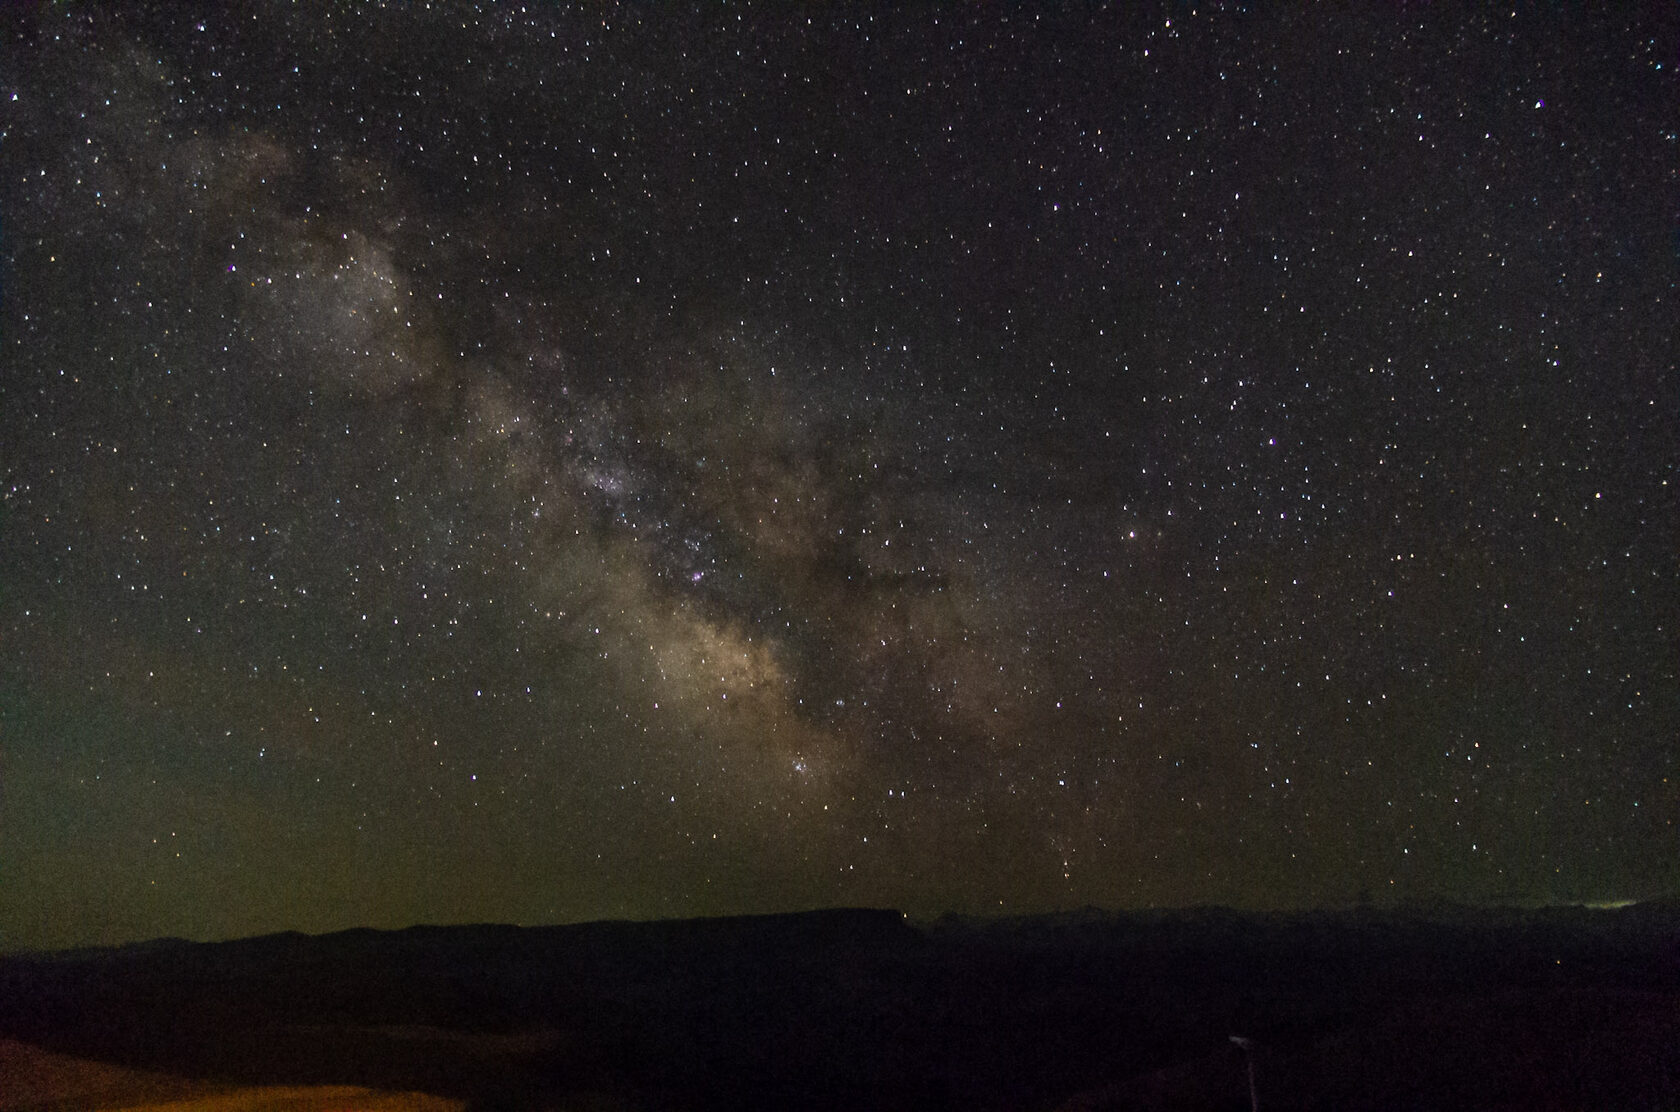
537	465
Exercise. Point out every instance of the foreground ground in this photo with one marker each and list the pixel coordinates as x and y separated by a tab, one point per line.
862	1010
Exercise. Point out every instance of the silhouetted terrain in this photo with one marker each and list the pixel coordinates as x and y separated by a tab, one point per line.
857	1009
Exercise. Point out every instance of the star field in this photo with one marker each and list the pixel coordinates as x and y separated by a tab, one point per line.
540	464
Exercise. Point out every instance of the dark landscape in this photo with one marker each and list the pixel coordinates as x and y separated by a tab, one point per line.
862	1009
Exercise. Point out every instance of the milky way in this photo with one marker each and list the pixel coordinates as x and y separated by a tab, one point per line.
544	465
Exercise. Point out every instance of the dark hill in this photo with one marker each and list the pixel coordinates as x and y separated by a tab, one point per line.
859	1009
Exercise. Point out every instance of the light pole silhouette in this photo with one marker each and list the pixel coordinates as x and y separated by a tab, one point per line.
1248	1055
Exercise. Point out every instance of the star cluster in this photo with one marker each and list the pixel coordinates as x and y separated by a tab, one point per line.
537	464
